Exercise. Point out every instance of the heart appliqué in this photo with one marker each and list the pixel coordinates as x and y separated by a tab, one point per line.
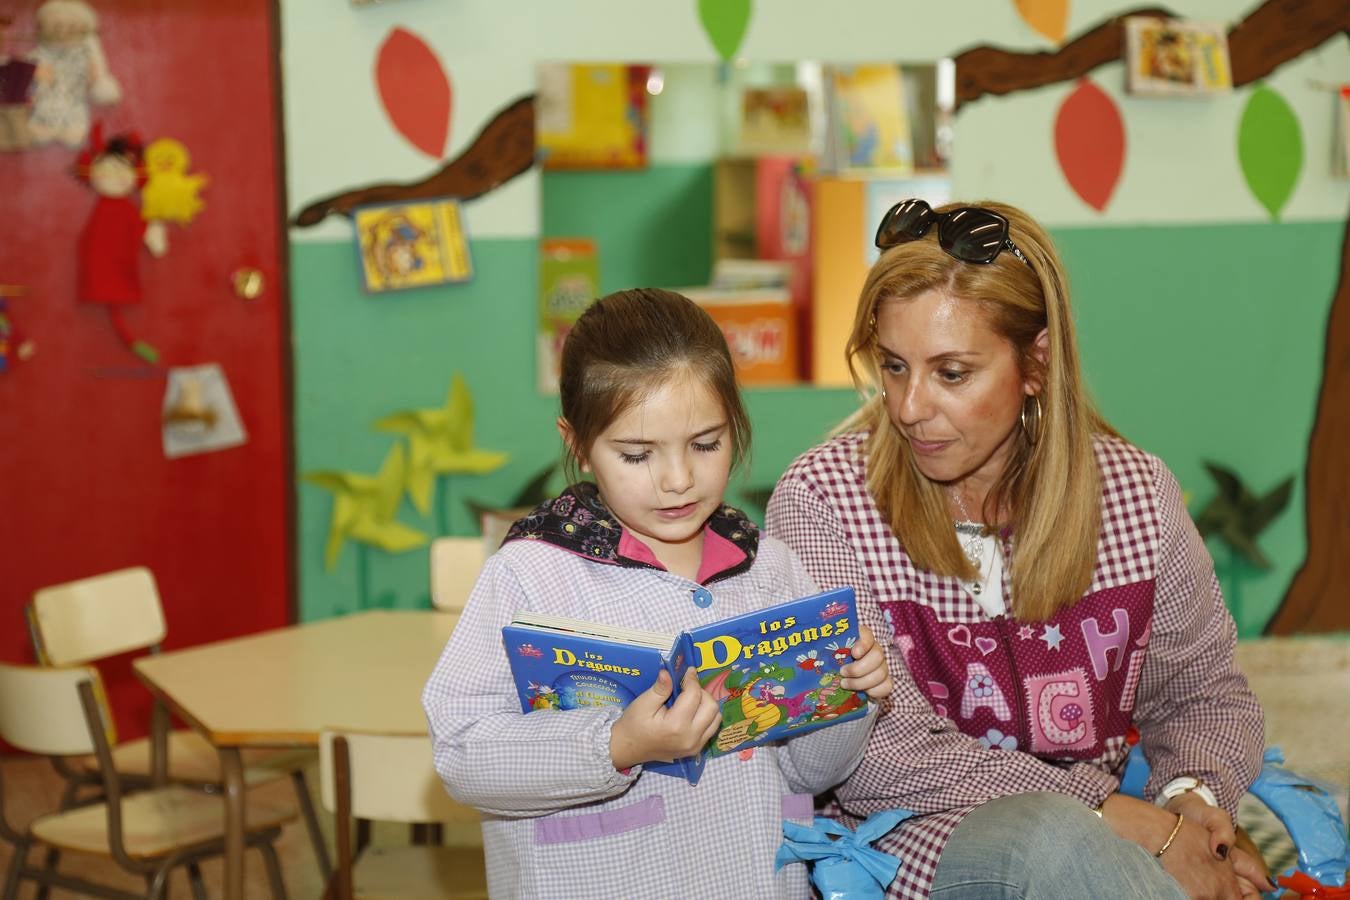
960	635
986	645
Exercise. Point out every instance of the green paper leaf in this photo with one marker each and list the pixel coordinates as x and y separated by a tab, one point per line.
1270	149
726	22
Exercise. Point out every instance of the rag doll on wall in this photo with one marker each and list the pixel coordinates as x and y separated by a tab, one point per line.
71	73
16	78
110	245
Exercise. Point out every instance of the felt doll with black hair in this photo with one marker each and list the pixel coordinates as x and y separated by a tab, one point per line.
110	245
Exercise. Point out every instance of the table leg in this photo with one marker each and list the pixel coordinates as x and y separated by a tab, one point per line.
232	772
159	744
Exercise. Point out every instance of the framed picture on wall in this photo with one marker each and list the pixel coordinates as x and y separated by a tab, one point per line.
408	245
1172	57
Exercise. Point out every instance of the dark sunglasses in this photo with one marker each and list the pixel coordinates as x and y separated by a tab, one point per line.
972	234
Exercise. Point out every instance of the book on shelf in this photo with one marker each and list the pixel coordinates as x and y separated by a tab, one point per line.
759	324
775	671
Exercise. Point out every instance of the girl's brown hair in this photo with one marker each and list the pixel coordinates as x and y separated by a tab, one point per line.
628	343
1050	492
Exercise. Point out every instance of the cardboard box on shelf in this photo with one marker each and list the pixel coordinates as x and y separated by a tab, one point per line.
760	328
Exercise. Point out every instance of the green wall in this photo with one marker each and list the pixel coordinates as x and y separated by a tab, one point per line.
1201	342
652	228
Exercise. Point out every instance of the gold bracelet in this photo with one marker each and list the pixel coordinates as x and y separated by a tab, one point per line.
1098	810
1173	836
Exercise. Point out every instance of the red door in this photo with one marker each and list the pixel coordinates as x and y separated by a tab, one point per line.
85	485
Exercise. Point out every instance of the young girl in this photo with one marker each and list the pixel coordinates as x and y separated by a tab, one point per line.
650	409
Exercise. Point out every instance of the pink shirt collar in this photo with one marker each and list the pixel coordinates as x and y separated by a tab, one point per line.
719	554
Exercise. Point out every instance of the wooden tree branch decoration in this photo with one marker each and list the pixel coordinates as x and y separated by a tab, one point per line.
1317	598
1273	33
502	150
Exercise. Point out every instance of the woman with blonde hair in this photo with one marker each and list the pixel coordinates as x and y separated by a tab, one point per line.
1044	592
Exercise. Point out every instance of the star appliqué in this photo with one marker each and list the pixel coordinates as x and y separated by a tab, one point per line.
1052	637
1026	632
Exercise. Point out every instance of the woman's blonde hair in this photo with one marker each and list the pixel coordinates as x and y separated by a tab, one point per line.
1050	492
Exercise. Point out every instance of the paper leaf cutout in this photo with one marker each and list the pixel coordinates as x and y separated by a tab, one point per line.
1090	143
1270	149
1049	18
726	22
415	91
364	507
440	442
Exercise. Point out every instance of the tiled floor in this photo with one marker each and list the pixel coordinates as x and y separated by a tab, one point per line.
1304	684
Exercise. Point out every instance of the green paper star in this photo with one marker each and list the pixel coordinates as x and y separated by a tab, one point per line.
364	507
440	441
1238	516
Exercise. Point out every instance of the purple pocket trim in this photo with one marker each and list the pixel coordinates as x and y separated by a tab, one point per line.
798	806
593	826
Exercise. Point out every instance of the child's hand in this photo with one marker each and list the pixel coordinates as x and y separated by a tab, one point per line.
648	730
868	671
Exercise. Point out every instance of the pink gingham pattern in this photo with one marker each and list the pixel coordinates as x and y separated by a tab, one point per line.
1193	707
559	821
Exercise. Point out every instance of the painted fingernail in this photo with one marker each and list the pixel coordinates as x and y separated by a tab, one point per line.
1222	851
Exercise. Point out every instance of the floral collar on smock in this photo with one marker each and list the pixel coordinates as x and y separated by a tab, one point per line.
578	521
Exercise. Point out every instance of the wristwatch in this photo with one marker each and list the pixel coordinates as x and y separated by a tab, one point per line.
1183	784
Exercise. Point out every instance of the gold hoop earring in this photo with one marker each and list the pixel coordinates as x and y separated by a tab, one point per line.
883	395
1031	425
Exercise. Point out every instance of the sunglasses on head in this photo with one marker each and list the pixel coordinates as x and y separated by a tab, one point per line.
972	234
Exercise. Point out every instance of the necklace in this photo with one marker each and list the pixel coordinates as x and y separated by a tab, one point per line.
972	543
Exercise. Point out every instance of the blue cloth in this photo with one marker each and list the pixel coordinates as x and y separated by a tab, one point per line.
843	866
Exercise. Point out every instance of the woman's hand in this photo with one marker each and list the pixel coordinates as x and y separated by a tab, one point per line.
1189	859
649	730
868	671
1225	843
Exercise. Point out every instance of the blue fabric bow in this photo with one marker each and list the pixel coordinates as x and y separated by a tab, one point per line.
842	866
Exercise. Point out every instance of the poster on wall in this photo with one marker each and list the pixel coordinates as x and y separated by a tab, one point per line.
409	245
592	116
569	279
199	414
1171	57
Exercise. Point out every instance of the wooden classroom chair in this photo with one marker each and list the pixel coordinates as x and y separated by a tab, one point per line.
81	622
391	778
56	712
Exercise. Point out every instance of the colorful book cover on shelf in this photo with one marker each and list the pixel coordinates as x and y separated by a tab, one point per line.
775	671
569	279
760	327
591	116
871	119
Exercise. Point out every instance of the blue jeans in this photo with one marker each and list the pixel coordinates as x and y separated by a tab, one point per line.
1046	846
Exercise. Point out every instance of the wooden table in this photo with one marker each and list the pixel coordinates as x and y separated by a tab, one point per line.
281	688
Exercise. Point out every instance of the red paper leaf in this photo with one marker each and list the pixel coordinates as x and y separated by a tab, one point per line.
1090	143
415	91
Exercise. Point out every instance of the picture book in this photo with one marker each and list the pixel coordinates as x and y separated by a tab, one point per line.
775	671
1172	57
409	245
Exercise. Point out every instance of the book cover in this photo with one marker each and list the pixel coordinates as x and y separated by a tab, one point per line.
775	671
556	668
409	245
569	280
870	118
1173	57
